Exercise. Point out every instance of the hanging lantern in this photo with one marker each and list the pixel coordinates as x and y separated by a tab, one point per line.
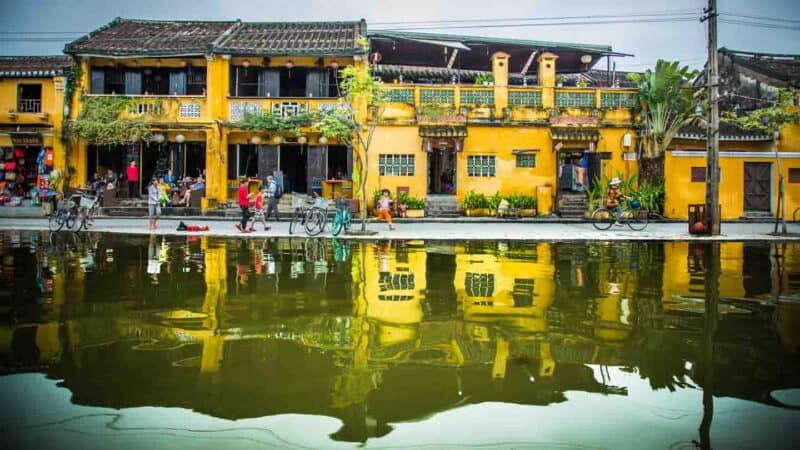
159	138
322	140
334	64
302	140
428	145
255	140
289	64
246	63
277	140
180	138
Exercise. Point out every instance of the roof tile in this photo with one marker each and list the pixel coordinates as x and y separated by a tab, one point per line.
33	66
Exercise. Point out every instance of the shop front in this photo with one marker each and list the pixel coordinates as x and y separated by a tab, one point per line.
25	167
578	161
442	144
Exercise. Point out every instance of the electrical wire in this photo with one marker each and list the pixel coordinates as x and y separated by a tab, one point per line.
642	14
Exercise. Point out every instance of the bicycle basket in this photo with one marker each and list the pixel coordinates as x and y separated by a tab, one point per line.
87	202
321	203
342	203
298	202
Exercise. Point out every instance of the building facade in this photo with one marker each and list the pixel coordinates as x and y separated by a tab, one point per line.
31	121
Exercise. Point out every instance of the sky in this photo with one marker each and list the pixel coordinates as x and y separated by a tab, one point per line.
684	41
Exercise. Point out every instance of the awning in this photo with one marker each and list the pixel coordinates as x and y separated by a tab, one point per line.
575	134
442	131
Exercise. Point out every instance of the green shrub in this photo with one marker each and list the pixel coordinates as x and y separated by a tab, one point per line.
475	200
410	201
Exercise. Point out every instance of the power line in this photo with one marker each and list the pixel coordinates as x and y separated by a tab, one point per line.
765	25
544	24
517	19
774	19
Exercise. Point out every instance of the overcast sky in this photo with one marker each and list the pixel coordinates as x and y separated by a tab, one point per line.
648	41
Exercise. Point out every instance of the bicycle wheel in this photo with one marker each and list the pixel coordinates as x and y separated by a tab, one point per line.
69	220
602	219
56	220
338	223
315	221
297	218
81	220
638	219
347	221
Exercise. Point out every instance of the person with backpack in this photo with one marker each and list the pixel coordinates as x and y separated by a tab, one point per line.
274	194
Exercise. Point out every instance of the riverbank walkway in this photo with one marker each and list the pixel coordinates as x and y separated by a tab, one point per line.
452	230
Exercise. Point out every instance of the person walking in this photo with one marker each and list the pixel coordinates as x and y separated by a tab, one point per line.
132	173
154	203
384	208
272	199
259	210
244	205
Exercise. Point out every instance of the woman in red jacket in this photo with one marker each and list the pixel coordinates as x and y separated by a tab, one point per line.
132	173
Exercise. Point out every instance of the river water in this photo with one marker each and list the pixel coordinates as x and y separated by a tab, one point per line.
135	342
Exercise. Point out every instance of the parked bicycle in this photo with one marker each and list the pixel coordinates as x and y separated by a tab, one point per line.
632	215
65	214
87	208
311	213
342	219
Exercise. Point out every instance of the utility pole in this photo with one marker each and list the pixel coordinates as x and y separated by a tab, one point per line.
712	134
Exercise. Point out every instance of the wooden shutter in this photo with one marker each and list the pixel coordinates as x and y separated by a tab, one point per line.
349	152
317	165
178	153
98	81
267	160
133	82
177	82
269	83
314	87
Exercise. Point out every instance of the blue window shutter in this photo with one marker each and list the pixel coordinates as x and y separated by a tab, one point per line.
133	82
177	83
98	85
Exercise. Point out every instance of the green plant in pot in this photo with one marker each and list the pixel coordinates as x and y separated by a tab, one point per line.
415	207
560	80
475	204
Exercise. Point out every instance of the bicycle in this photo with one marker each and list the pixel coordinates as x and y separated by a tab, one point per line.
87	207
65	214
632	214
342	219
309	213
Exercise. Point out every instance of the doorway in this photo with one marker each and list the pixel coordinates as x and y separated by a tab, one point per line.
294	165
757	187
442	172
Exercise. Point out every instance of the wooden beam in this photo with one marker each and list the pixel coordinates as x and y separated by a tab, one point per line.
452	59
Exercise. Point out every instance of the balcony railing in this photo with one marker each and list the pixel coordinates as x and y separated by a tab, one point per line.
286	107
180	108
29	105
518	97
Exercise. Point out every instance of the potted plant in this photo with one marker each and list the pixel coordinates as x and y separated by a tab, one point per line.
582	83
415	207
527	205
484	80
493	202
475	204
560	80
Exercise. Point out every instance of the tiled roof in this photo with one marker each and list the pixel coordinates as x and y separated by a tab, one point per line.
126	37
727	132
783	68
33	66
129	37
294	38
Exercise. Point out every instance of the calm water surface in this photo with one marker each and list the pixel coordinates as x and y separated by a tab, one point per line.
136	342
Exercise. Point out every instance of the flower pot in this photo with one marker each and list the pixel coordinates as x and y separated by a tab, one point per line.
476	212
528	212
415	213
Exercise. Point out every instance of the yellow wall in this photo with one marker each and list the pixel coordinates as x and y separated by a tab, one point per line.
681	191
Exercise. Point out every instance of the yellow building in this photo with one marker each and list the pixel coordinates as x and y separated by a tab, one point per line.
192	81
31	118
492	116
749	159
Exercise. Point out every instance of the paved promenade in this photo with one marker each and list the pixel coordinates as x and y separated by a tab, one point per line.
438	231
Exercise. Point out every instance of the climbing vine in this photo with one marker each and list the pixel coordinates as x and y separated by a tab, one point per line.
106	121
272	123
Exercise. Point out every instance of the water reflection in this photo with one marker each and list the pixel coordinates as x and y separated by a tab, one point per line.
385	332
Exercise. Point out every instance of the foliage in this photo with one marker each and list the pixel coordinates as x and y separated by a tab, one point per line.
438	110
582	83
410	201
771	118
484	78
650	195
669	103
272	123
521	201
561	79
475	200
337	123
102	121
494	201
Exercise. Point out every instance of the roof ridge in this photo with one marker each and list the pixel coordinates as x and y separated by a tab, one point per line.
459	37
746	52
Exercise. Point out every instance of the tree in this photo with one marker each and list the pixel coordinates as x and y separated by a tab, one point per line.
770	120
354	122
669	103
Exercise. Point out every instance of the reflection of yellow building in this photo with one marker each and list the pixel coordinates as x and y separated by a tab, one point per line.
500	287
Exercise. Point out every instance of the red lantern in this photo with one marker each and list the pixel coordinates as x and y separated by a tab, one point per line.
375	57
699	227
334	64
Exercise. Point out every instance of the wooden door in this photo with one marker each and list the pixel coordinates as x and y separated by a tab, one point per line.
267	160
757	186
317	167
